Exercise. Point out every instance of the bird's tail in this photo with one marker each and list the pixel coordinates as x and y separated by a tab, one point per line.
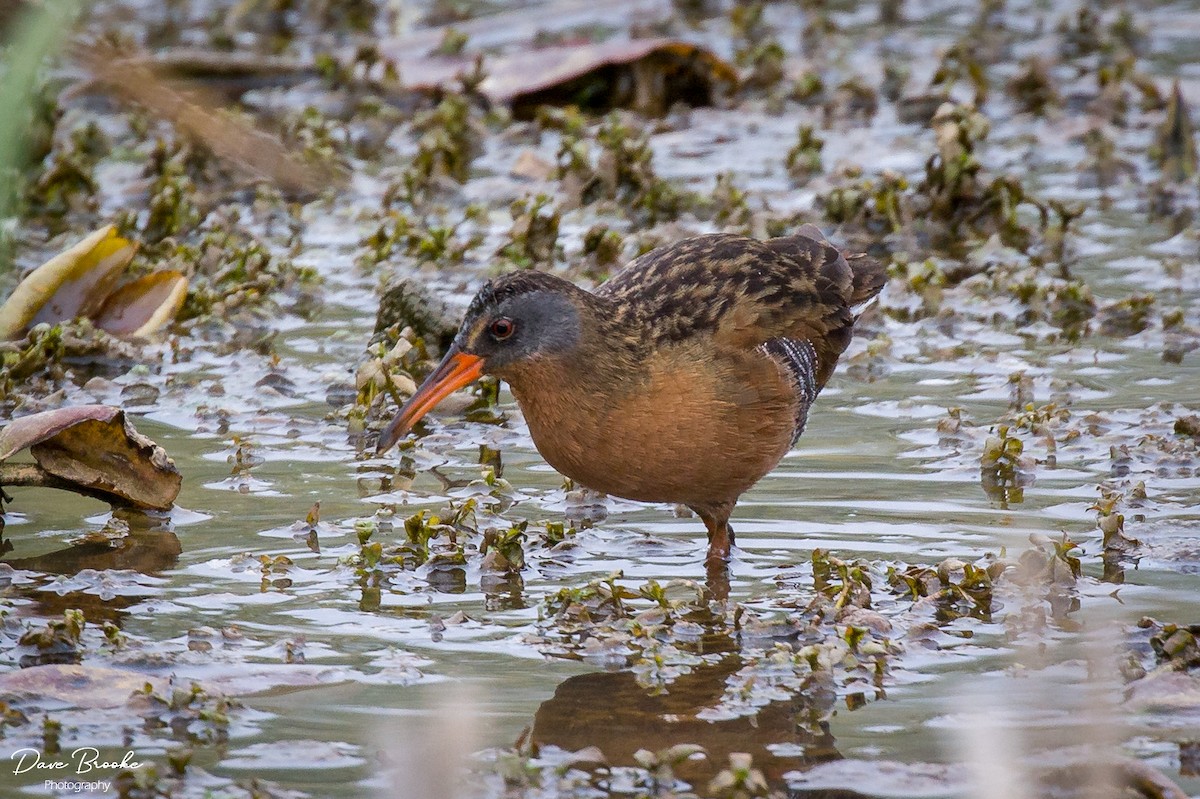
868	279
867	276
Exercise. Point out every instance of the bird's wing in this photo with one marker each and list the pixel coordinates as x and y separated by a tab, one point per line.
744	293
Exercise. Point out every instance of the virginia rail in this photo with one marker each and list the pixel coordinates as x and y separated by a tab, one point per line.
685	378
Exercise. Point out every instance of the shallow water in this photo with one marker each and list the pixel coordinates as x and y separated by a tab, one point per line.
330	675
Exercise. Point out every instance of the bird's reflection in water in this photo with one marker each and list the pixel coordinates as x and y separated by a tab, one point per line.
611	711
717	579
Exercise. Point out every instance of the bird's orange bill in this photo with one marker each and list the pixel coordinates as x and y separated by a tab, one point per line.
456	370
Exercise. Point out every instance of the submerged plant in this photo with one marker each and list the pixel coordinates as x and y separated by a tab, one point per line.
59	641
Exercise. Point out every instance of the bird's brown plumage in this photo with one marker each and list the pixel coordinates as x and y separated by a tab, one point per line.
692	370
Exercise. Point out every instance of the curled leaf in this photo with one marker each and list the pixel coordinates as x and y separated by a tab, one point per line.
71	284
26	431
95	450
144	306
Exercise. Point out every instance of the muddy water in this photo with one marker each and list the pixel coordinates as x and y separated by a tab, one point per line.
337	682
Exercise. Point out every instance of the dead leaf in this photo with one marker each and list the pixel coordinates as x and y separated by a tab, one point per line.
144	306
26	431
96	450
647	75
71	284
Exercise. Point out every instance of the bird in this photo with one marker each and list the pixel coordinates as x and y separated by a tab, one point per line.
684	378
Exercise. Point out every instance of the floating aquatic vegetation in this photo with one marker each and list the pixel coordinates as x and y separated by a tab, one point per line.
34	367
1066	304
1117	546
318	138
764	63
504	550
804	159
747	23
1127	317
961	64
757	51
532	241
1003	468
1033	89
1176	647
1103	166
846	584
1081	36
852	100
625	170
740	780
729	205
953	186
956	587
954	200
65	187
603	249
873	205
235	276
425	241
191	714
1175	145
449	140
1050	562
59	641
388	372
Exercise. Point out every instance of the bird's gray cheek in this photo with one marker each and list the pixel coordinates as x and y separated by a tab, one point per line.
566	334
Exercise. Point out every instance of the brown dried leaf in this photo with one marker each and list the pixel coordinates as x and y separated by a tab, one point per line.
113	458
26	431
647	75
97	449
519	24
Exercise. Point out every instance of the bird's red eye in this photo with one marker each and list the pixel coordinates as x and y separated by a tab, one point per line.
502	328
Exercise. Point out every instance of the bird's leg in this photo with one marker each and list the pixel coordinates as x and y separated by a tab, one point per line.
720	541
720	534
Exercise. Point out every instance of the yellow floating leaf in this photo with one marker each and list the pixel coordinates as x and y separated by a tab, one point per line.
71	284
144	306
